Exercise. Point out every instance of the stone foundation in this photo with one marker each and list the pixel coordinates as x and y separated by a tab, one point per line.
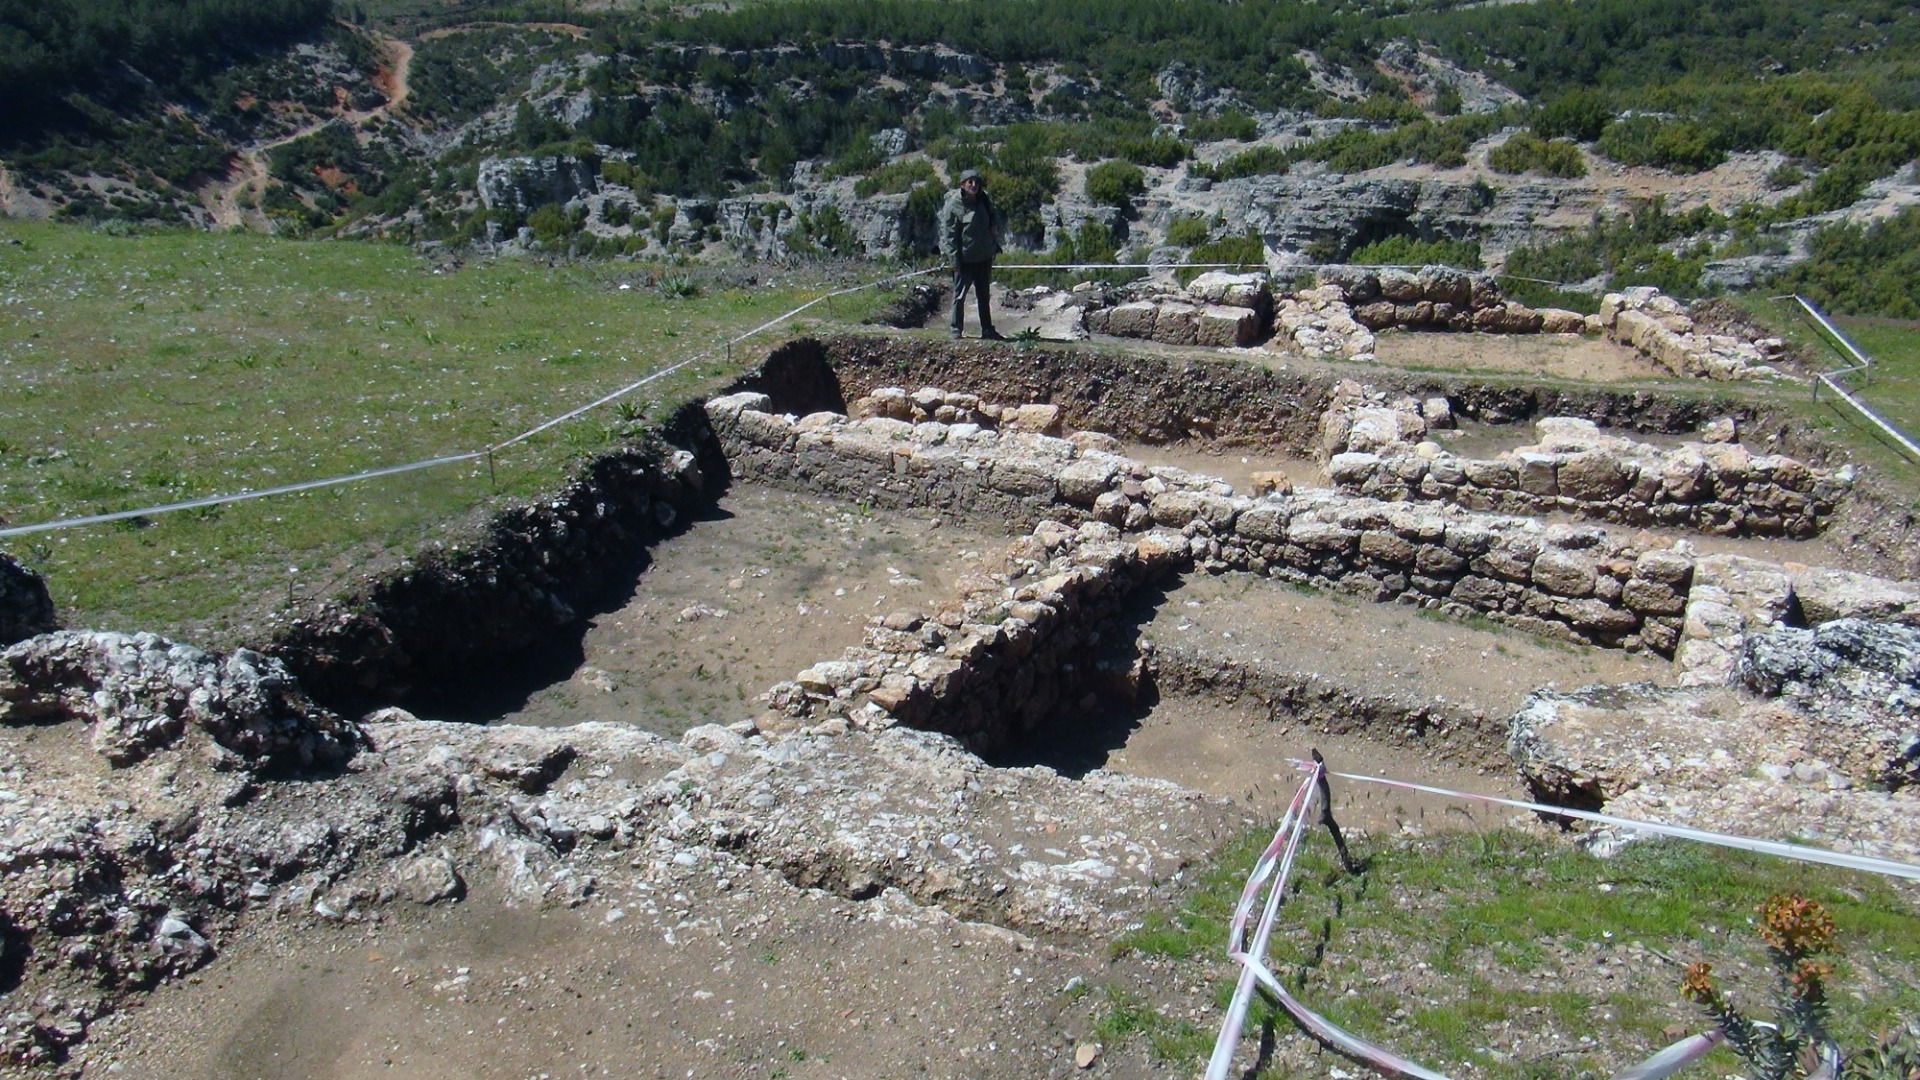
1379	449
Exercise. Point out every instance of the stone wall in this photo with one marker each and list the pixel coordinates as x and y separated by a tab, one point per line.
1574	582
987	667
1660	328
1217	309
1380	449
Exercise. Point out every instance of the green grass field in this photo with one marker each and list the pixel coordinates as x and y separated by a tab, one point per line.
1447	937
137	371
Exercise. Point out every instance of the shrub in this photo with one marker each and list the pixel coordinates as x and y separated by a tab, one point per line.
1863	271
1245	250
1408	251
1527	152
1115	183
1579	114
896	177
1258	161
1227	125
1159	151
1663	142
1186	231
1800	936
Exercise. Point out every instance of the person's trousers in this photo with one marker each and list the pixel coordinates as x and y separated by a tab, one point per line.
977	276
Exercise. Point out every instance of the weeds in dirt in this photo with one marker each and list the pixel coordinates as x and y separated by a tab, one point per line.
1508	953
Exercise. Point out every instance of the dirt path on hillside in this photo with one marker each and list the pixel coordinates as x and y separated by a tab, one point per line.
247	175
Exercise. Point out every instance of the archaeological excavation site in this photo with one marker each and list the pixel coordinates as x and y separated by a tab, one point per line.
841	724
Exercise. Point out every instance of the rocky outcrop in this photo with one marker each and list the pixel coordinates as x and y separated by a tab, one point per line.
1860	680
1817	744
142	693
112	889
26	608
1659	327
521	184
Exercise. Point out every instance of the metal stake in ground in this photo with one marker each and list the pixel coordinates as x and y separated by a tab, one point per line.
1326	817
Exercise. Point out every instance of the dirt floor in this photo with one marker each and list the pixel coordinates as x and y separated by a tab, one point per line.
1549	356
771	584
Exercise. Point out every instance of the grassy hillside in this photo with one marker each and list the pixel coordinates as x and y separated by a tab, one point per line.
146	370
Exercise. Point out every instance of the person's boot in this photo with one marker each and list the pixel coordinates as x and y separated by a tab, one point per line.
990	334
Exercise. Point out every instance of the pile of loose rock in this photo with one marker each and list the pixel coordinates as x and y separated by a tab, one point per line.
1660	328
1381	448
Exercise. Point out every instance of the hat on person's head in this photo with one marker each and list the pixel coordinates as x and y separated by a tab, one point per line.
970	174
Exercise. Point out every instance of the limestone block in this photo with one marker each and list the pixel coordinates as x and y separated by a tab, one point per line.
1316	535
1388	547
1227	327
1561	321
1535	474
1652	597
1761	592
1379	315
1374	428
1564	573
1825	595
1176	323
1479	593
1352	469
1593	476
1082	482
1263	523
1496	474
1134	320
1039	419
1174	509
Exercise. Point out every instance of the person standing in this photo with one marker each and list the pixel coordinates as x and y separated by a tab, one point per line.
970	227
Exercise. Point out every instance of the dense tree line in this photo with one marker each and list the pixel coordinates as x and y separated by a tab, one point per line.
1249	47
49	48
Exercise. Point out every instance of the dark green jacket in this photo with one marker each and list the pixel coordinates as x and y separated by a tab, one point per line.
970	231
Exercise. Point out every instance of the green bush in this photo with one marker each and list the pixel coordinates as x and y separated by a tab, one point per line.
896	177
1246	250
1527	152
1663	142
1408	251
1579	114
1227	125
1186	230
1115	183
1257	161
1159	151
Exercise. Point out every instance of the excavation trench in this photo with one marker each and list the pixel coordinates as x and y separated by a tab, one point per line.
683	579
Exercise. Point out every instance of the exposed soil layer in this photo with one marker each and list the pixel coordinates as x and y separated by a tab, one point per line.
1544	356
768	583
